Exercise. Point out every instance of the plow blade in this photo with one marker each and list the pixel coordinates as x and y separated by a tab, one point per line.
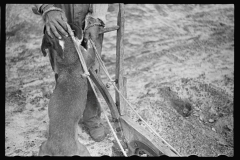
141	141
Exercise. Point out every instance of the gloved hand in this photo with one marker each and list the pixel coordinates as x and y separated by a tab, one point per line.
93	28
92	32
55	22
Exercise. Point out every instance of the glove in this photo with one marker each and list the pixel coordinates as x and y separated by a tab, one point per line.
93	28
55	21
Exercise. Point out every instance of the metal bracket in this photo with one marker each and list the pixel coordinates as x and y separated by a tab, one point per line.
140	148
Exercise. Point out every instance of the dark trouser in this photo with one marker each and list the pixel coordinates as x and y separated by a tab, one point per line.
76	14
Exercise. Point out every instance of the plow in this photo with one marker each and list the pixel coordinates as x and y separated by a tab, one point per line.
130	137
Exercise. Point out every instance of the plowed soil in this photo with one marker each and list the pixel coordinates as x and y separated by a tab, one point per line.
179	62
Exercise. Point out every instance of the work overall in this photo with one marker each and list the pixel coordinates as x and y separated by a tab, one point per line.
76	14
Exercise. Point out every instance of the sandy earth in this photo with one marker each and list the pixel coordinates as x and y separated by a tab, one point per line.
179	61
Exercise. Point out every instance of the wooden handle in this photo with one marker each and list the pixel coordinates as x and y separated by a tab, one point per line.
106	95
119	60
108	29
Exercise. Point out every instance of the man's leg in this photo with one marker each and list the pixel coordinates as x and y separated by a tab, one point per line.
91	117
92	112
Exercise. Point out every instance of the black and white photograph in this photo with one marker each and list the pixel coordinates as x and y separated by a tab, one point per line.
119	80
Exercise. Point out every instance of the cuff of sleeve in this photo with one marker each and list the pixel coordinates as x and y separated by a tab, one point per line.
36	9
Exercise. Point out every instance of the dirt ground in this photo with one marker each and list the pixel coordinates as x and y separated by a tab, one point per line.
179	62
